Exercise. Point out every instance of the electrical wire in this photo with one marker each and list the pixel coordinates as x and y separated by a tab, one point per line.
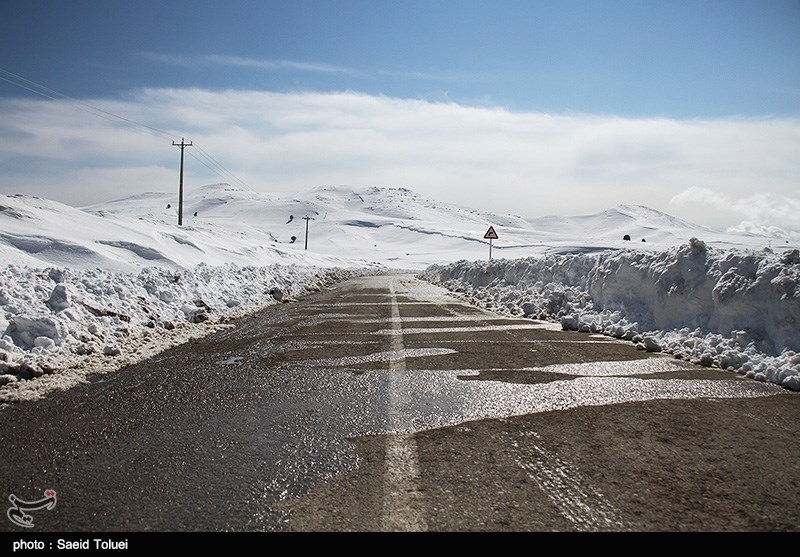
203	157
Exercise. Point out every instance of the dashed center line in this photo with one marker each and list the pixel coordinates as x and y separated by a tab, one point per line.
403	504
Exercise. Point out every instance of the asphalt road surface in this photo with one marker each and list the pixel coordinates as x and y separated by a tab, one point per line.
384	404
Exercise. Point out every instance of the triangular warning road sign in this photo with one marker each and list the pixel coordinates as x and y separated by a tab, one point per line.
490	234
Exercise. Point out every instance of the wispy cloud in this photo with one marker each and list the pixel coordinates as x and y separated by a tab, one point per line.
170	59
279	64
242	62
715	172
309	67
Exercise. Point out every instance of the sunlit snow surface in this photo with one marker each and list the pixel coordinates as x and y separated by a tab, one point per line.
95	289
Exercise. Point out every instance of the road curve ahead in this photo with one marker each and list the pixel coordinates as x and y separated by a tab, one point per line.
385	404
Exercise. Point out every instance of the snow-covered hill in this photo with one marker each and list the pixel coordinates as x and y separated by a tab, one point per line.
393	227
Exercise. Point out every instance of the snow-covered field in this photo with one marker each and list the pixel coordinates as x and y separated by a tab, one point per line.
91	290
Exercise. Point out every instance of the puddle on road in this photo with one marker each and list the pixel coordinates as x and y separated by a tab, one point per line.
438	330
613	369
434	399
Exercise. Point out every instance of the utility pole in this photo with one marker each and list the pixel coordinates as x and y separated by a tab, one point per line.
307	219
182	145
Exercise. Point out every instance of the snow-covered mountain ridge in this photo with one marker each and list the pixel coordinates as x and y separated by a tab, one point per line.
329	226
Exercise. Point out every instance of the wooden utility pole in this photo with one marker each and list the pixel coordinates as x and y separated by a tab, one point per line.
307	219
182	145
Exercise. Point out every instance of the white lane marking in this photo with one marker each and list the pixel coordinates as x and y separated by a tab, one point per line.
568	490
393	357
403	504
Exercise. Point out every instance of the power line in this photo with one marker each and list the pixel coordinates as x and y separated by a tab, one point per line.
219	169
207	160
51	94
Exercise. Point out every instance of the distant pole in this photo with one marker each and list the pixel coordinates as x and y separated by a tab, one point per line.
182	145
490	249
307	219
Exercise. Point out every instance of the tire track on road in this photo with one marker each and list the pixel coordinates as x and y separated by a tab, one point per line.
567	489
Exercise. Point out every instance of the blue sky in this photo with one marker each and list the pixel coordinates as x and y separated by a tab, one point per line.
635	58
626	88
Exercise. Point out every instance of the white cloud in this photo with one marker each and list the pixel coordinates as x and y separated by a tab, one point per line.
760	213
708	171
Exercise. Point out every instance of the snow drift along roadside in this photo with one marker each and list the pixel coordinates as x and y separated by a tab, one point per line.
59	325
734	309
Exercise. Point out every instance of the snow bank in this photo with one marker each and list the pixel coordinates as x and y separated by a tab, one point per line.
58	325
735	309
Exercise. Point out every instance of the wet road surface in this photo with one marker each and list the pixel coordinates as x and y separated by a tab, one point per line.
384	404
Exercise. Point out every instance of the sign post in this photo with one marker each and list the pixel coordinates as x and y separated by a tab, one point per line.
490	235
